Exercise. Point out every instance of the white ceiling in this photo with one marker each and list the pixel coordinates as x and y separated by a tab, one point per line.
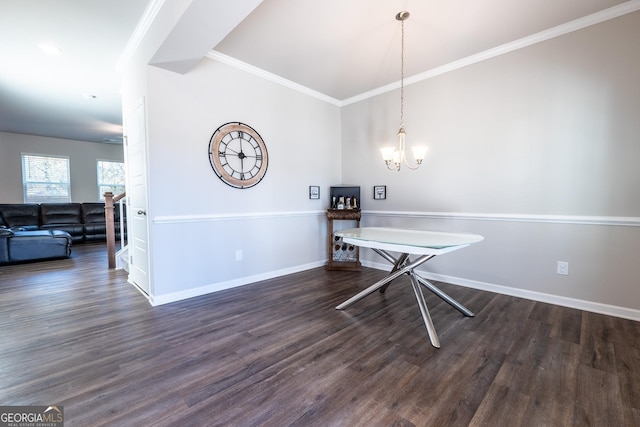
340	49
42	94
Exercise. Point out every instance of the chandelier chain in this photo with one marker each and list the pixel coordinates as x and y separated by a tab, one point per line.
402	74
395	157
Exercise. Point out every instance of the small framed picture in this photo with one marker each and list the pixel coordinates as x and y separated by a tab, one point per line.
314	192
379	192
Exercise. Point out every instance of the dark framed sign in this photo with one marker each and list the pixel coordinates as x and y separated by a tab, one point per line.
379	192
314	192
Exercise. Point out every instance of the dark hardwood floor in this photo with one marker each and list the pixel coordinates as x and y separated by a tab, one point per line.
277	353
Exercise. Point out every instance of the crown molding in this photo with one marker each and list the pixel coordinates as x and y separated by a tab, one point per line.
595	18
566	28
147	19
225	59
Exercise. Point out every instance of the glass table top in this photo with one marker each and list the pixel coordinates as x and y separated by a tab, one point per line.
406	237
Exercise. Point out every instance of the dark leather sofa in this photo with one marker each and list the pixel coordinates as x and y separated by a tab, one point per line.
95	228
40	231
20	245
63	216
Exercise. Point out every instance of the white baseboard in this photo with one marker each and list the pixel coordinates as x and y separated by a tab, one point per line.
215	287
594	307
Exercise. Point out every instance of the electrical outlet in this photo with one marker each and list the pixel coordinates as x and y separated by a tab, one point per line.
238	254
563	268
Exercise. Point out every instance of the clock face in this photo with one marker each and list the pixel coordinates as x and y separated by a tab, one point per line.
238	155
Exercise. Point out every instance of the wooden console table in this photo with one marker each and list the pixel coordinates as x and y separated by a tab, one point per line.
341	255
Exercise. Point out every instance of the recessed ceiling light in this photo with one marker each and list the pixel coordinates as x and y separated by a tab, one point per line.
50	49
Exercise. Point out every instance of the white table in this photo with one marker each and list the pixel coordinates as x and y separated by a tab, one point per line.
424	244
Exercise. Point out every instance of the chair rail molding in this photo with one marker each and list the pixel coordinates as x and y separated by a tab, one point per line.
553	219
234	216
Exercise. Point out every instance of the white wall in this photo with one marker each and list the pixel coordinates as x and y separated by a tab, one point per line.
83	157
199	222
528	149
534	149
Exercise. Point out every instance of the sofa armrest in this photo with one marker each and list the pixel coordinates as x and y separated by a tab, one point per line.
5	234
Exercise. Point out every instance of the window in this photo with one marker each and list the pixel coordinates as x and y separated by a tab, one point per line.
45	179
110	178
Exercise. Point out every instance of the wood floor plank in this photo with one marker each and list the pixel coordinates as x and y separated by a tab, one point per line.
598	401
626	338
598	349
278	353
501	407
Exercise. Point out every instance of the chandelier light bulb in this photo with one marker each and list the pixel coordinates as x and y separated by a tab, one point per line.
419	152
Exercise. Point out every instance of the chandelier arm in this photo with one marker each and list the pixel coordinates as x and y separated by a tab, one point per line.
411	167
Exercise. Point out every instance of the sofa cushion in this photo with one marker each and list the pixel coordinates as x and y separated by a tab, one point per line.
19	215
63	216
60	213
42	244
76	231
93	216
93	213
25	228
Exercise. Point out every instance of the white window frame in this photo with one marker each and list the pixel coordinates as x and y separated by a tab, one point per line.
31	182
103	187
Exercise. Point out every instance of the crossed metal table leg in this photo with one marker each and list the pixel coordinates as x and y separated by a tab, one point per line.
404	265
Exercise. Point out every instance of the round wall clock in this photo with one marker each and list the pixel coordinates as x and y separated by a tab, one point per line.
238	155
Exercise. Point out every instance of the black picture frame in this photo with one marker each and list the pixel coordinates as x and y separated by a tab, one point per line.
379	192
314	192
